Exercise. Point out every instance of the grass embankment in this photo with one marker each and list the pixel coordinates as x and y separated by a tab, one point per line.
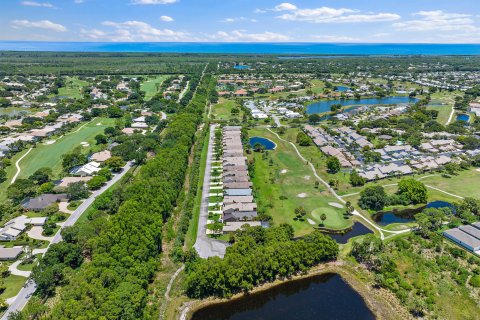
293	180
152	85
191	235
444	112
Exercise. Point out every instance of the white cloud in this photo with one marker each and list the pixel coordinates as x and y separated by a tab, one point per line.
285	6
230	20
331	15
243	36
79	1
154	1
329	38
438	21
42	24
260	11
166	19
37	4
130	31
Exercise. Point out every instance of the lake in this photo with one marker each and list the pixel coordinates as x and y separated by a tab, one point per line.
357	229
325	296
268	144
324	106
407	215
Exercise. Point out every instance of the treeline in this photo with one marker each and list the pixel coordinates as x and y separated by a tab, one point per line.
257	256
123	248
94	64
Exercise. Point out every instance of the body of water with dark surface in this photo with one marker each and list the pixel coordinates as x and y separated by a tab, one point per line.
343	89
325	296
256	48
358	229
324	106
268	144
407	215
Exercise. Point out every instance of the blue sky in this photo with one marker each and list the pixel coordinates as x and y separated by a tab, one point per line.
376	21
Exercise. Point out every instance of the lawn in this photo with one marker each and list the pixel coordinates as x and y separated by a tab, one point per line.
151	86
223	110
50	155
465	184
13	286
290	178
443	112
73	88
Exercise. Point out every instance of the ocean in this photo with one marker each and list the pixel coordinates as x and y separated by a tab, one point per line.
253	48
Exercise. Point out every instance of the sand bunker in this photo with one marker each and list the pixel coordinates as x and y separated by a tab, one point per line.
284	171
311	221
335	204
50	142
302	195
307	177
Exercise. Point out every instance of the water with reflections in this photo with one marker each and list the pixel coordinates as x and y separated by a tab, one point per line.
324	106
325	296
268	144
407	215
358	229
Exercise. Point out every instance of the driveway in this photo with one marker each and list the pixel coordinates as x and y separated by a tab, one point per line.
36	233
13	268
205	246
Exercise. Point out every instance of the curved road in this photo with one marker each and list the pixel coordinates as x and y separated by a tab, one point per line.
29	288
332	191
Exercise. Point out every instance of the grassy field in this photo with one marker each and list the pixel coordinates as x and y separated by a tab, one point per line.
150	87
73	88
50	155
291	178
13	286
465	183
223	110
443	113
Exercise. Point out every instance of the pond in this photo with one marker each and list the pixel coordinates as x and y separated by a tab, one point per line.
268	144
463	117
326	296
343	89
324	106
358	229
407	215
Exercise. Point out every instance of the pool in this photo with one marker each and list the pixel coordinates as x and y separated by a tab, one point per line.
463	117
241	67
343	89
268	144
324	106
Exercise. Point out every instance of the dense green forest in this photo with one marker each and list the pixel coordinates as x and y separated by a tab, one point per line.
257	256
120	247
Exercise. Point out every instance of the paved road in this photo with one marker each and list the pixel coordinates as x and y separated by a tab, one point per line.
29	288
205	246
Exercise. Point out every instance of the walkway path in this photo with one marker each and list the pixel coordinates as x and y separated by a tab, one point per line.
451	116
205	246
13	268
180	96
332	191
17	164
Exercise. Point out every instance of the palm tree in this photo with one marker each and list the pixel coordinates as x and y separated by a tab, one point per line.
323	217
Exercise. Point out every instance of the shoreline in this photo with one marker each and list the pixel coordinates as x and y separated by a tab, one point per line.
380	302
